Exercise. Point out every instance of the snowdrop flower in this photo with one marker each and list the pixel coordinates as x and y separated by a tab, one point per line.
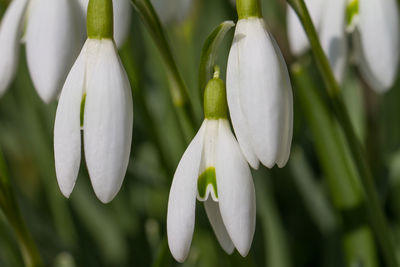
122	19
259	92
328	17
213	170
374	25
96	98
53	38
298	40
377	41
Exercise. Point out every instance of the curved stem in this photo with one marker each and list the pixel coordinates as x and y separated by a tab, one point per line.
9	206
376	214
178	89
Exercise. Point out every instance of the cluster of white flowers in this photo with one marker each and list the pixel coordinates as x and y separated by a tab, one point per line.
374	28
215	167
96	95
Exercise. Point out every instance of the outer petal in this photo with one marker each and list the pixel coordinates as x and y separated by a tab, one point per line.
298	40
262	89
287	125
234	85
10	34
122	19
108	121
67	135
214	216
235	191
53	42
182	199
333	36
379	36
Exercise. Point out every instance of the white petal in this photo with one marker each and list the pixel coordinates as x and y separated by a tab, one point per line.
262	86
333	36
182	199
108	121
122	20
214	216
233	85
10	34
287	125
53	42
67	135
236	192
379	36
298	40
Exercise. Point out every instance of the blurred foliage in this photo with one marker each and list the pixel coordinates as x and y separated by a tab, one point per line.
299	221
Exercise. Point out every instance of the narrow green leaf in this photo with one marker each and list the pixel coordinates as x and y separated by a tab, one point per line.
209	53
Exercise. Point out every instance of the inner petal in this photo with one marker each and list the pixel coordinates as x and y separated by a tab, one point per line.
207	185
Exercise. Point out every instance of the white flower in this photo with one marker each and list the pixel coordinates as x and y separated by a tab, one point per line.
374	25
96	98
53	38
10	34
259	95
377	42
329	19
298	40
214	170
122	19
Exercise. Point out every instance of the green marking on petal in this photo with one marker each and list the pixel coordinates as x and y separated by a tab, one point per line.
208	177
352	10
83	108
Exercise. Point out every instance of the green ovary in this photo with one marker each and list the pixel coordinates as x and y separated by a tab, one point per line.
208	177
352	10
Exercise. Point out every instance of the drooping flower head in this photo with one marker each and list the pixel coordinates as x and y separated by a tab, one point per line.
96	98
213	170
259	91
53	36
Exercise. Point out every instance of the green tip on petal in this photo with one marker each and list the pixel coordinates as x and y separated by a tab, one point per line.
208	177
248	8
100	23
215	105
83	101
352	10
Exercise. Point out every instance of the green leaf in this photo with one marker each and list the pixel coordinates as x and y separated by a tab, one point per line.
209	53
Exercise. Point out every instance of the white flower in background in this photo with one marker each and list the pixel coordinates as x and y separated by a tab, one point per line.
122	19
374	25
96	98
214	170
172	10
377	42
259	95
298	40
329	20
53	38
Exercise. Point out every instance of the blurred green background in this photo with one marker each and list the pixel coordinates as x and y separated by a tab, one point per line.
310	213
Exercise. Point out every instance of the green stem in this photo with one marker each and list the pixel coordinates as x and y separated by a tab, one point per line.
178	89
9	206
132	69
376	215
